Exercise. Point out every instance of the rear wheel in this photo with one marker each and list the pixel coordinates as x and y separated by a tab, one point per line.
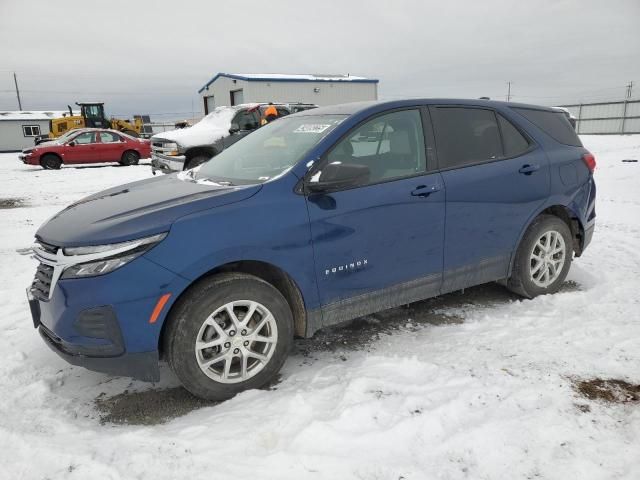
129	158
230	333
543	258
51	162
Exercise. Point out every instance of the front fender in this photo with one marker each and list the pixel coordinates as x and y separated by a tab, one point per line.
270	227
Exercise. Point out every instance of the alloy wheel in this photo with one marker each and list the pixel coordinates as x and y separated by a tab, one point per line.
547	258
236	341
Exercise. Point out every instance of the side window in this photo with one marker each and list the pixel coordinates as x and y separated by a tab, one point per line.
85	138
465	136
514	142
391	146
282	112
247	120
108	137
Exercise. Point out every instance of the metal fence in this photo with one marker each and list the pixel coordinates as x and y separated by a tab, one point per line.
607	118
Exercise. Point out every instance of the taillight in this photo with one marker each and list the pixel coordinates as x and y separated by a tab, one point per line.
589	161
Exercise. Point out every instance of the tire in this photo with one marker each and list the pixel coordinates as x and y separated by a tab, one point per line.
51	162
192	320
537	270
195	161
130	157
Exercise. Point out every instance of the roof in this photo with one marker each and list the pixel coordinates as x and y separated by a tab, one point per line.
375	105
31	115
285	77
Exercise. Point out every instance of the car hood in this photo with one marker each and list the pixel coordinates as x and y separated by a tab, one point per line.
50	143
136	210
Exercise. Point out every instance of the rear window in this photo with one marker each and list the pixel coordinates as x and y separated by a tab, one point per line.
554	124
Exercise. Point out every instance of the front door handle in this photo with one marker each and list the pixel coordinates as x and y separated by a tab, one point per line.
529	169
424	190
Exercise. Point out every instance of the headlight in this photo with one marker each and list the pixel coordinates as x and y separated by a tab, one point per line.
170	148
101	259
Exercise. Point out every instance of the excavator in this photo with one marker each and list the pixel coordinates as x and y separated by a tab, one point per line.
92	116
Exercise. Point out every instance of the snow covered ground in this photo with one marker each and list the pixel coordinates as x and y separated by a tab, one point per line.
473	386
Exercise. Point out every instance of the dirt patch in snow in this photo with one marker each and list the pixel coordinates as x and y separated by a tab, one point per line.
153	407
609	390
149	407
6	203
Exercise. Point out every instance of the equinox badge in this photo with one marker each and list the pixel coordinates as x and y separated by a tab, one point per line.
347	267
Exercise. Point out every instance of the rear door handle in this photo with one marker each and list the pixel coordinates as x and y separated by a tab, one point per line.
529	169
425	190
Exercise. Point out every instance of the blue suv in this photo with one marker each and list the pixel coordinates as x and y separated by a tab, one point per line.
318	218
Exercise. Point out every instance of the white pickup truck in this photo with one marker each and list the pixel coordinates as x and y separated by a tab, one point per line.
189	147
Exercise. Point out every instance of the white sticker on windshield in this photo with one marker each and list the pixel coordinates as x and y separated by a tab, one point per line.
311	128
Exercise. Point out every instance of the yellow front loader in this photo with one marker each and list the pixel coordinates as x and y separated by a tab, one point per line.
92	116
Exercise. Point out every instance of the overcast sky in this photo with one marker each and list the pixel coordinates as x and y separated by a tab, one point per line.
153	56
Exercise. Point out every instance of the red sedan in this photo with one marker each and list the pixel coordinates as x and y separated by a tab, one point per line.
88	145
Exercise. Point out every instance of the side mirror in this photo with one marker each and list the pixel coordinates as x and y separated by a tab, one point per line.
235	128
72	143
336	176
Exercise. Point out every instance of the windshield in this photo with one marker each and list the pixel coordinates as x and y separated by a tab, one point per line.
269	151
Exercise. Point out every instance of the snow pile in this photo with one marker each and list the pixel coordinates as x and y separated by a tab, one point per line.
470	386
210	129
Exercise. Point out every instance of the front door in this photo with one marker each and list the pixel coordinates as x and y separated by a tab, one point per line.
84	150
496	178
379	244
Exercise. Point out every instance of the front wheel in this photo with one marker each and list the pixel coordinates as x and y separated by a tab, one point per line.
51	162
543	258
230	333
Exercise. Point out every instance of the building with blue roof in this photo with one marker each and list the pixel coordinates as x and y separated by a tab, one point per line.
319	89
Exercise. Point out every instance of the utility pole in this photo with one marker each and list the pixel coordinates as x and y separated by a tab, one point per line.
15	80
629	89
508	91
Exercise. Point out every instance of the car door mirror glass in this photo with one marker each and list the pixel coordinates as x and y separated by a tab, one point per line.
72	143
336	176
234	128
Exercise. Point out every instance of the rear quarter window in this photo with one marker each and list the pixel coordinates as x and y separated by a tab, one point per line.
554	124
514	142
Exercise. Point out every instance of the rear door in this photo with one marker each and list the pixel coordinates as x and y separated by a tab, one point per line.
84	149
379	244
496	177
111	147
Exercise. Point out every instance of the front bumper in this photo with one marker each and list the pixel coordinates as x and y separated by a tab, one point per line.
27	159
141	366
103	323
166	163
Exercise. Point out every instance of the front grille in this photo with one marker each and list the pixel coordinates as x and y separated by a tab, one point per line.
48	248
42	282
